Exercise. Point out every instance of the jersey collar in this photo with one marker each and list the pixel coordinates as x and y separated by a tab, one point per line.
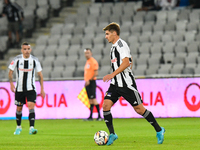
115	44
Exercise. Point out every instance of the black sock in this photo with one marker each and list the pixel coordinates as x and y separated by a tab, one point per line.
32	117
18	117
91	110
150	118
108	120
97	106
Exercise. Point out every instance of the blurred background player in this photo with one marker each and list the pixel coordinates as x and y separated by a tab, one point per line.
25	88
90	74
123	84
14	14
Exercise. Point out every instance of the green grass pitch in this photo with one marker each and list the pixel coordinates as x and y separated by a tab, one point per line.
76	134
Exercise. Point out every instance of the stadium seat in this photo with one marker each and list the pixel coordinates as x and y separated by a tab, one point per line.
164	68
168	58
65	39
140	70
81	62
73	50
172	15
156	48
155	38
67	28
68	72
184	15
79	72
71	61
105	61
50	50
46	72
104	70
42	40
57	29
152	70
161	16
139	16
39	50
188	71
48	61
60	61
176	69
166	38
53	40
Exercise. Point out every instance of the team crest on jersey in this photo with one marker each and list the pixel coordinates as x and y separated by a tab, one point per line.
21	64
88	65
114	60
12	63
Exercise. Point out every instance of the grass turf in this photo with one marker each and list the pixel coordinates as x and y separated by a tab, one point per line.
181	134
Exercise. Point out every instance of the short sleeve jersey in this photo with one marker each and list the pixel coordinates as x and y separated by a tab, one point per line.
90	66
25	73
119	51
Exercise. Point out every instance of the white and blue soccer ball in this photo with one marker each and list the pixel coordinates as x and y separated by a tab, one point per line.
101	137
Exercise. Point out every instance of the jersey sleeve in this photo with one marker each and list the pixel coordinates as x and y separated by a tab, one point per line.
13	64
124	52
38	66
95	65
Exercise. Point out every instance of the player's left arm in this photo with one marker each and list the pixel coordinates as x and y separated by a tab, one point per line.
41	83
125	63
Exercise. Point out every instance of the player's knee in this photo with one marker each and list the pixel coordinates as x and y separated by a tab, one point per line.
19	109
106	106
139	111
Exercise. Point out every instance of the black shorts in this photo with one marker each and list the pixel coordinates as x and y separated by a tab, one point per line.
130	94
91	89
20	97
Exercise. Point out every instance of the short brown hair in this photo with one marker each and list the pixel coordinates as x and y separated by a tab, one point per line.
113	27
25	43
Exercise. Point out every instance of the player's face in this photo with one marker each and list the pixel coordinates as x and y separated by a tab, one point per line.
110	36
26	51
88	54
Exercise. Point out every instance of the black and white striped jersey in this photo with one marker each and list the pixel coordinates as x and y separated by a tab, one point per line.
25	73
119	51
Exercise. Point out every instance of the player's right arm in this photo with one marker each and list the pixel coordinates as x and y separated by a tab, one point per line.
10	76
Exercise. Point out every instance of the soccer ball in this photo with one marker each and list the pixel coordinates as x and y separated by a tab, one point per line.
101	137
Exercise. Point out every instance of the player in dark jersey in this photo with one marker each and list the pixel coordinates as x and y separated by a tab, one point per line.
123	84
15	15
25	88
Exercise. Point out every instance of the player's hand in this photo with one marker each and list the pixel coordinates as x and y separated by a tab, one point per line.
107	77
87	83
12	87
43	94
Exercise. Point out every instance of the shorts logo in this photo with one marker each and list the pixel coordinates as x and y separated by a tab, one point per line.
108	94
135	102
18	103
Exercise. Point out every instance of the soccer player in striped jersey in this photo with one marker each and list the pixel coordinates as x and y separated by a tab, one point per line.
123	84
25	88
